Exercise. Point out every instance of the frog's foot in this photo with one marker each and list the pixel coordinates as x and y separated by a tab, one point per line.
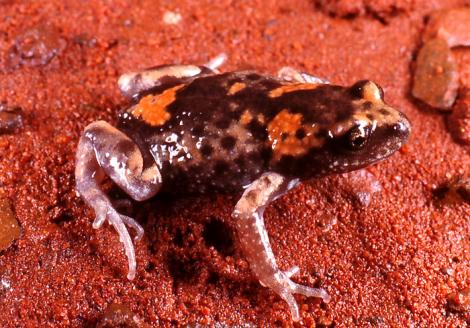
103	150
109	212
163	77
255	242
291	75
286	288
104	211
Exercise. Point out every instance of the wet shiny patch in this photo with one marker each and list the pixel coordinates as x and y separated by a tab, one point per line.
284	138
291	88
153	108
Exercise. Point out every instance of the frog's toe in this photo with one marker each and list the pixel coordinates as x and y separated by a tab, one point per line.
292	271
119	221
286	288
291	302
99	219
311	292
130	222
217	61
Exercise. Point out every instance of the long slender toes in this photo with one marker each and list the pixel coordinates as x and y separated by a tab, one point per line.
312	292
99	220
293	307
118	224
134	225
292	271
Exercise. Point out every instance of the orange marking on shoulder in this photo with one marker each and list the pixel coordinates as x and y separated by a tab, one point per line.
153	108
291	88
283	139
236	87
246	117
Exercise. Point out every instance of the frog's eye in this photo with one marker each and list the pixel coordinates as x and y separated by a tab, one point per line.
357	137
357	89
367	90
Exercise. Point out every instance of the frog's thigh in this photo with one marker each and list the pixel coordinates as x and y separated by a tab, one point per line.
165	76
255	242
134	83
104	150
122	161
291	75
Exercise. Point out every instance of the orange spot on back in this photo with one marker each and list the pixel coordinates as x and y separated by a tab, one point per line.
282	135
291	88
236	87
246	117
153	108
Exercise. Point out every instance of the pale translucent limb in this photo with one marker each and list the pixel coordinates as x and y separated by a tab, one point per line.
255	242
103	150
292	75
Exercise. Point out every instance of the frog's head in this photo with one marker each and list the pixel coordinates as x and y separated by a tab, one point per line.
371	132
345	129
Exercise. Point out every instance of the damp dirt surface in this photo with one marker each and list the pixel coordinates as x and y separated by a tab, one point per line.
397	261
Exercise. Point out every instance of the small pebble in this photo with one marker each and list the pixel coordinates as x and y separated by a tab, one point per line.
436	79
327	222
9	228
11	119
172	18
459	121
325	322
448	271
451	25
459	301
118	315
36	47
362	184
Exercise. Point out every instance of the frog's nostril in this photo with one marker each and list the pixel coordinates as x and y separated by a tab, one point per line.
402	126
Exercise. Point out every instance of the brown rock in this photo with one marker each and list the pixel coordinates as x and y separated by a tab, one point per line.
36	46
459	301
436	78
118	315
9	228
451	25
11	119
459	121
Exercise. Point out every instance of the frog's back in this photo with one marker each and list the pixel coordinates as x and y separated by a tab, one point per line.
209	134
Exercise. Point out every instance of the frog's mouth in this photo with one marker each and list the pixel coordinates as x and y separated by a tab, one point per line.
382	142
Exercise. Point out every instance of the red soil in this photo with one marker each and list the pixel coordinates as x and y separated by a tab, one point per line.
392	263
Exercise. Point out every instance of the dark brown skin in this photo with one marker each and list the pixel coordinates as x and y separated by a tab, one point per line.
218	139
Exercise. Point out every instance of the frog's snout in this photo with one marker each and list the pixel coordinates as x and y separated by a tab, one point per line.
402	128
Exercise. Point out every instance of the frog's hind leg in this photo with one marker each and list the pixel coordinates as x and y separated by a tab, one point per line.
255	242
291	75
104	150
163	77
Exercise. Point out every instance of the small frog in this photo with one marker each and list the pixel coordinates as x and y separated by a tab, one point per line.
193	130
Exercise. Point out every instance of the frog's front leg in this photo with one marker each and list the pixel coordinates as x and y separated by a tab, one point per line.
255	242
104	150
292	75
165	76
